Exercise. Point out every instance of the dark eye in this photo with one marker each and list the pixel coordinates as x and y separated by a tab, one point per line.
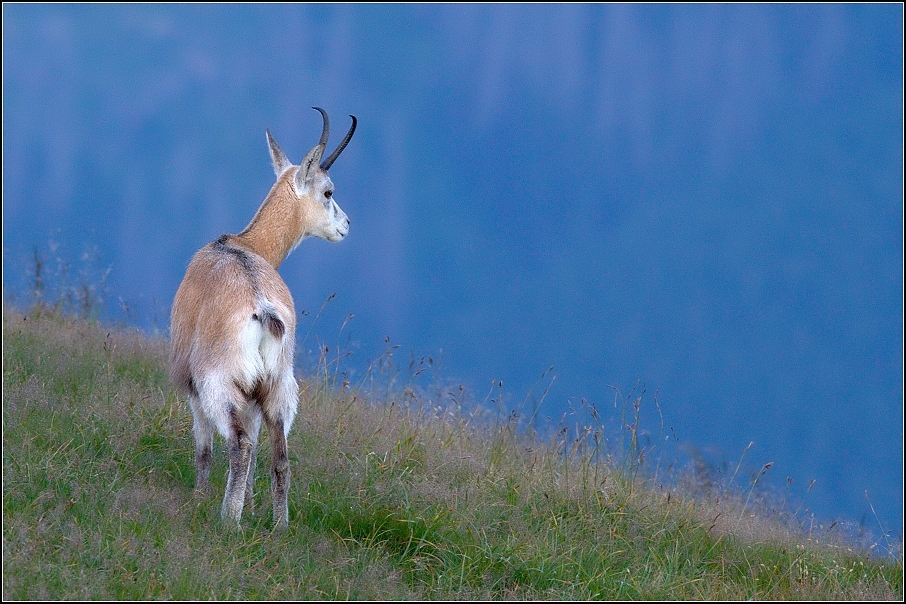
328	193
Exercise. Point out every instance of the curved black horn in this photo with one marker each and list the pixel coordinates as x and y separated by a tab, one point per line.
327	163
326	132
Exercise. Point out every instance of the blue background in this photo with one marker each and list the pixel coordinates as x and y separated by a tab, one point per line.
706	200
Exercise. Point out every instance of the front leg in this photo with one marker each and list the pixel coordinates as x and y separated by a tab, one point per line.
254	429
250	479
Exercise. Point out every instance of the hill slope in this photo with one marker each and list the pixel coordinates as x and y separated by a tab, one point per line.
389	499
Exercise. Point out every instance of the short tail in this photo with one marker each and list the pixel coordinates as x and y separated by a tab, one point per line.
271	321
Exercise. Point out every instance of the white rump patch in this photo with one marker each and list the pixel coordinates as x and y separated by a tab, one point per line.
260	351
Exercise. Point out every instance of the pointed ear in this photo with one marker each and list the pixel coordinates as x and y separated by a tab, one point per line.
277	155
308	167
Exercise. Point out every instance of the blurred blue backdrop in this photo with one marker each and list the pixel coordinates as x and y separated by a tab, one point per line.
707	200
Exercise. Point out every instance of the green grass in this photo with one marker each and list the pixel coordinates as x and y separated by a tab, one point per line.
396	498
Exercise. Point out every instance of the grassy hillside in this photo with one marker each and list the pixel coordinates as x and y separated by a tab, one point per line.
389	499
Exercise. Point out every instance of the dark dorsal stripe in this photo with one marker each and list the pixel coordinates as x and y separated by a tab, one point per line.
242	256
266	317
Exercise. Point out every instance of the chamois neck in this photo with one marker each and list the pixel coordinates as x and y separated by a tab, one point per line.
275	229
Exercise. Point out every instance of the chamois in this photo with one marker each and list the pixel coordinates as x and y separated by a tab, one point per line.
232	327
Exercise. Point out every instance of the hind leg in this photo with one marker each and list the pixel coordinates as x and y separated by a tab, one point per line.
279	411
279	472
204	446
240	450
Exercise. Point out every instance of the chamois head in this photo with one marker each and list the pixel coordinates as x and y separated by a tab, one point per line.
311	186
